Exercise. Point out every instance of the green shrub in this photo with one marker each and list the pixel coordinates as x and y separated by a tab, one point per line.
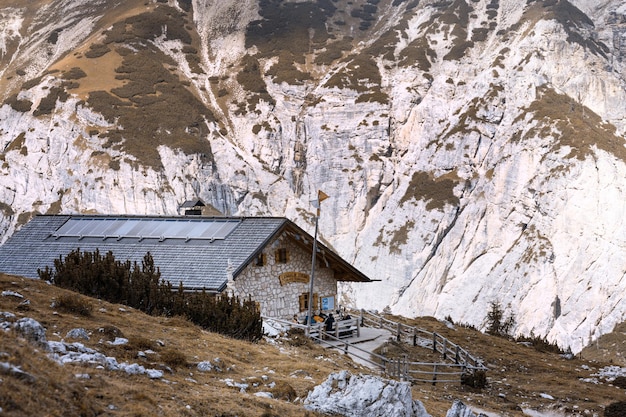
74	304
540	344
620	382
617	409
476	379
103	277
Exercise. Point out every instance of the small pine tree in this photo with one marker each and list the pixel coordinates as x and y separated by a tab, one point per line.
497	325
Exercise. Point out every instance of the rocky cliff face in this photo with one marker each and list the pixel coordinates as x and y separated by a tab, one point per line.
473	150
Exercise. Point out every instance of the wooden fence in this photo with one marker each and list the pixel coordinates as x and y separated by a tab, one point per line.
456	361
460	361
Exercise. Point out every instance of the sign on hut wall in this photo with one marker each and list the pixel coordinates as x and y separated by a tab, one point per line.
293	276
328	303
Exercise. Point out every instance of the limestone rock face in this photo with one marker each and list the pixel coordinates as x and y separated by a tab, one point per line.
473	150
363	396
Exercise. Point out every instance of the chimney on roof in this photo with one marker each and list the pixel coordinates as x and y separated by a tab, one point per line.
197	207
192	207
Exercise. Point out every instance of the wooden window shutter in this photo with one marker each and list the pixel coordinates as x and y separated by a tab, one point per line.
316	302
302	299
281	256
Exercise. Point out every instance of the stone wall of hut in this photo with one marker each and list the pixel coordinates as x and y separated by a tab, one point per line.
278	285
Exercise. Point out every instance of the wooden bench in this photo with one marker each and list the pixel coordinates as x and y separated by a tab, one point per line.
340	329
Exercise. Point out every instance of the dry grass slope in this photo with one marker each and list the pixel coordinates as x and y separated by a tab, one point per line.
289	368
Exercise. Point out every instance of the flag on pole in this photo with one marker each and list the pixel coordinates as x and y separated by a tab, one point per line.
321	196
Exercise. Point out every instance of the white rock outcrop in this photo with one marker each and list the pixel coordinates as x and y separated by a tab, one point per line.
364	396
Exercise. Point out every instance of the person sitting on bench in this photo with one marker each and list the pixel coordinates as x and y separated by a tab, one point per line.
330	320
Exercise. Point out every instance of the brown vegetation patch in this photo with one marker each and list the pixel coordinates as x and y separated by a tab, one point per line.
285	70
455	16
74	304
251	80
97	50
296	28
22	106
436	192
361	73
378	96
573	125
153	108
17	143
48	103
334	51
418	53
163	20
99	72
492	9
6	209
32	83
292	31
400	237
265	125
74	73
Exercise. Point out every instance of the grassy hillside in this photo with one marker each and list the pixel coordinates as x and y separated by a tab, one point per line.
519	376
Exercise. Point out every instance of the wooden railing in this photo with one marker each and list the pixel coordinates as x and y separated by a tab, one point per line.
460	361
325	338
456	360
340	329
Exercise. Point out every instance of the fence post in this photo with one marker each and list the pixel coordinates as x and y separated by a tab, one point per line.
399	368
445	348
456	355
362	317
405	368
399	332
434	374
434	342
414	336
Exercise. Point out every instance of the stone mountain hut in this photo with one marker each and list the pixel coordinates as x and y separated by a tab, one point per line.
267	258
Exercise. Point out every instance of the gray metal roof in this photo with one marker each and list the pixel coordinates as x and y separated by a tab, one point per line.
193	250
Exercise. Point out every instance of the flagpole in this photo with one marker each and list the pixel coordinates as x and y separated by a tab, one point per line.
321	196
310	313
